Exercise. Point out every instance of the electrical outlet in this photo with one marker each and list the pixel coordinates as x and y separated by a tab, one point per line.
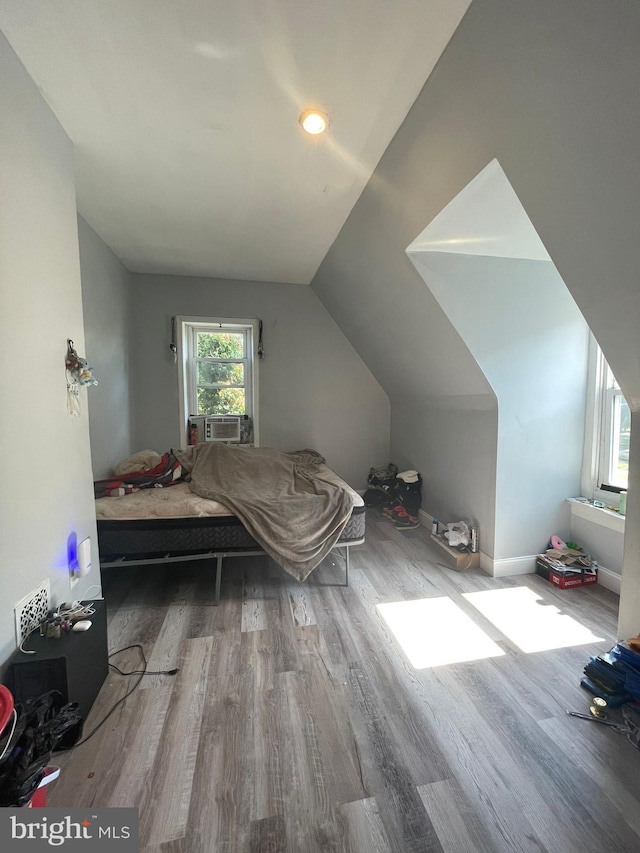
79	555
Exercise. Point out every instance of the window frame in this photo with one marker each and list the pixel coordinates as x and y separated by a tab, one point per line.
613	397
602	420
195	360
187	329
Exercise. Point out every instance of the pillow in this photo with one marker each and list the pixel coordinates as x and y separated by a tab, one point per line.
143	460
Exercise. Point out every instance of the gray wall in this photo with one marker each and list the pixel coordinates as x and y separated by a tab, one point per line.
453	442
315	391
528	336
550	89
440	399
107	317
45	489
605	545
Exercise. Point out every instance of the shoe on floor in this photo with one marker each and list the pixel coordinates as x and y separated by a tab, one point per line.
393	512
406	522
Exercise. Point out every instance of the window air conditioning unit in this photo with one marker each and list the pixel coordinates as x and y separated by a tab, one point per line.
222	428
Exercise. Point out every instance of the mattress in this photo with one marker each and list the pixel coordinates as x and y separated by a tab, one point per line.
175	522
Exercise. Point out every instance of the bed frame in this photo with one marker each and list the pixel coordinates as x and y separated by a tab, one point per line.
174	540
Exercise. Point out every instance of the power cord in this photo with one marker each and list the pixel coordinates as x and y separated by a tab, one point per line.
13	728
66	612
24	640
74	610
141	672
145	671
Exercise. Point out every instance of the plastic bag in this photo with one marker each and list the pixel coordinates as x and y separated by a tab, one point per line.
42	725
458	533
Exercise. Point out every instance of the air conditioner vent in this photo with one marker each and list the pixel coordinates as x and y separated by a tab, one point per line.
222	428
31	610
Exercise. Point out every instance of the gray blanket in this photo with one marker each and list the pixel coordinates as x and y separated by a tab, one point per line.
281	498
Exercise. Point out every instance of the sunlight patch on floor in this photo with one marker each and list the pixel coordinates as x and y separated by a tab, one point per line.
435	632
523	616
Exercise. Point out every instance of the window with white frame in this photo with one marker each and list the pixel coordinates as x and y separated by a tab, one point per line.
219	369
608	431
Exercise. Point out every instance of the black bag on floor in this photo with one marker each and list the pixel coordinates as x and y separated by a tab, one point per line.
376	498
42	725
382	479
409	495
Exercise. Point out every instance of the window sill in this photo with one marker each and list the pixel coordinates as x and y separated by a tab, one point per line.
597	515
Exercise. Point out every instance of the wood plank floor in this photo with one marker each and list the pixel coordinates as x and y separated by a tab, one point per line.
298	722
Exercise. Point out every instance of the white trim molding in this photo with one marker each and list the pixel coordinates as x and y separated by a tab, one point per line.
609	580
182	326
498	568
597	515
508	566
527	565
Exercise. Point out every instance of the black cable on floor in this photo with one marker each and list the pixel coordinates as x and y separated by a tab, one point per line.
141	672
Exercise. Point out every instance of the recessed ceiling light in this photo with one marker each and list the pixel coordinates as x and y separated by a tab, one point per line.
314	121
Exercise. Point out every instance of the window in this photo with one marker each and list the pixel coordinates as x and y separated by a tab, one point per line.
614	457
219	373
608	429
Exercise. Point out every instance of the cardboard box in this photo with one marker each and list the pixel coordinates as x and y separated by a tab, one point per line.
575	576
461	561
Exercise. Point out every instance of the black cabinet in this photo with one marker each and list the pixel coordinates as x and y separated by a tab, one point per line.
76	664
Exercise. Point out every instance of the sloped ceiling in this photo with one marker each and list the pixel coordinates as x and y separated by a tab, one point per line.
485	218
189	156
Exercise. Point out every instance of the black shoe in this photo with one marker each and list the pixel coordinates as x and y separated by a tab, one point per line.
406	522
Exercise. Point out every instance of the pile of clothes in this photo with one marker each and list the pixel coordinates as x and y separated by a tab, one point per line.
398	494
144	470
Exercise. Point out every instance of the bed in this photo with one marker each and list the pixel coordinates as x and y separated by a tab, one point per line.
174	524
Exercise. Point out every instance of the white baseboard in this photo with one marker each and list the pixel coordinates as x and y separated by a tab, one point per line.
508	566
497	568
609	580
527	565
427	519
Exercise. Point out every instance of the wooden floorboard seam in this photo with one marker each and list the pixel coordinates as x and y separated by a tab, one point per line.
297	722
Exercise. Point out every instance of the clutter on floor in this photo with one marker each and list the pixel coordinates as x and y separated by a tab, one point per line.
397	494
457	544
29	734
453	558
461	535
614	675
613	678
566	565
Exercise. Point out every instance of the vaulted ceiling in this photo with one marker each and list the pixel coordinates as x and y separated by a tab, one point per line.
189	156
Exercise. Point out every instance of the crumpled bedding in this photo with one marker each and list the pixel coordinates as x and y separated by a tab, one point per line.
143	460
284	499
168	472
177	502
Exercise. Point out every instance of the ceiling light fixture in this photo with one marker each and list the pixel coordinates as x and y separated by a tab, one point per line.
314	121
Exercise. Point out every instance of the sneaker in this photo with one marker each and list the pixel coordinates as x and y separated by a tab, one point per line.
394	512
406	522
